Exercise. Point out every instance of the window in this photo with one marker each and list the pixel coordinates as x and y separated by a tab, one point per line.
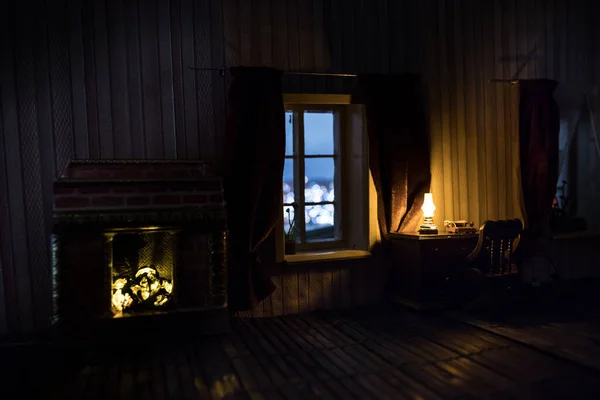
326	177
312	178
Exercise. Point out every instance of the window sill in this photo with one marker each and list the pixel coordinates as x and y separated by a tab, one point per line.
326	256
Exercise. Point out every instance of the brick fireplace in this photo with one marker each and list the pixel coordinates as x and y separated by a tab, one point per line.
139	241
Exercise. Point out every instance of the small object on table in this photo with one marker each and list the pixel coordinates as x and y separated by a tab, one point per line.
462	226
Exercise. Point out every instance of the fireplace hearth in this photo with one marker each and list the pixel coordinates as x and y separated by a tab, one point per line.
139	241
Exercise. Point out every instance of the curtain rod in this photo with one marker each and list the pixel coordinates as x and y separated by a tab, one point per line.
223	70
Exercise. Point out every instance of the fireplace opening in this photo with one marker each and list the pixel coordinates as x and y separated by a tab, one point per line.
142	266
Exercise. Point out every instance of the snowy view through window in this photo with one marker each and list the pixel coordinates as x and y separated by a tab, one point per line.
319	165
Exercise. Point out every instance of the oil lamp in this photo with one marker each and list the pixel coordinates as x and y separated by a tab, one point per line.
428	227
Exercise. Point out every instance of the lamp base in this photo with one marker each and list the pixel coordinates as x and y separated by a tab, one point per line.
428	229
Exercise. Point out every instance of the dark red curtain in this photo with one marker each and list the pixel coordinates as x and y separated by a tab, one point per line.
255	150
539	126
398	148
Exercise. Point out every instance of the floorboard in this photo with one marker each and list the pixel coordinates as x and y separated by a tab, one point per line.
563	321
368	353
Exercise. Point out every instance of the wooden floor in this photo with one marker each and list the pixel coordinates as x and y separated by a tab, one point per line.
564	323
375	353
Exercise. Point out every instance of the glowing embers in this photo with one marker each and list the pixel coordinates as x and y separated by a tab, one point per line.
146	290
142	265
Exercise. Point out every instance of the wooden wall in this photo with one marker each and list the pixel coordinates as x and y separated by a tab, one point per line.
110	79
338	284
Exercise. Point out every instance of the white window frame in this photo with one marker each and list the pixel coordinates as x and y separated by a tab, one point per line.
299	161
355	191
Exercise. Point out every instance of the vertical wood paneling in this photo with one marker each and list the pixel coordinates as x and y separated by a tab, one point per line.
454	113
134	74
326	277
303	293
219	88
189	79
178	73
595	16
60	84
121	121
39	208
500	113
9	131
292	45
6	273
244	10
490	149
89	58
103	80
382	36
78	84
397	36
306	46
289	288
150	79
461	112
231	30
315	288
279	35
447	155
111	78
264	23
202	46
276	298
166	78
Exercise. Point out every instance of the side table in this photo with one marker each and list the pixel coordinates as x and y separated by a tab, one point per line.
422	265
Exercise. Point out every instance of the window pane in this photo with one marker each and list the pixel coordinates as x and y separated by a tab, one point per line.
289	133
288	181
287	217
318	133
319	221
319	179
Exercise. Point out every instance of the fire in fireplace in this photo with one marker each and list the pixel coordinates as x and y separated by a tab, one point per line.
142	265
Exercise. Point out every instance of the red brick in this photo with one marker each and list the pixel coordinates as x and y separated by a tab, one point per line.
80	173
195	199
71	202
125	189
158	174
138	201
167	199
152	189
107	201
182	186
94	189
199	186
216	198
96	174
64	190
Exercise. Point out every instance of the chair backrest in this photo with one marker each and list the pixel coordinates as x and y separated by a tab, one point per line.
497	243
